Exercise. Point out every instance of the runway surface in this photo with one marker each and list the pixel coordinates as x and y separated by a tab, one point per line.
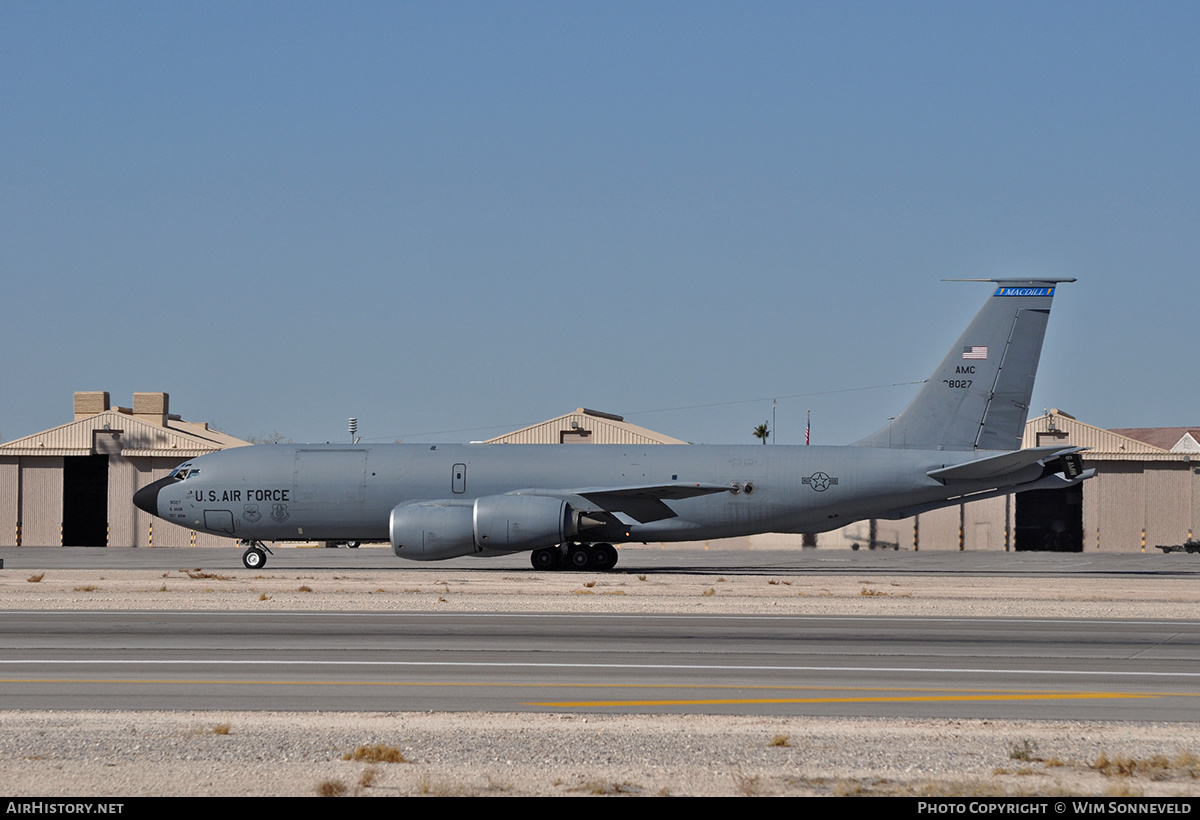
1065	669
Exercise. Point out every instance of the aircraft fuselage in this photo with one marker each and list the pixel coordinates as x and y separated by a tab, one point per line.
332	492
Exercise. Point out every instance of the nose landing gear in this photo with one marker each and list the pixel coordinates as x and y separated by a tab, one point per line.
255	556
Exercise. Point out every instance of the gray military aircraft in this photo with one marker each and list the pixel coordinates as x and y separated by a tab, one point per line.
959	440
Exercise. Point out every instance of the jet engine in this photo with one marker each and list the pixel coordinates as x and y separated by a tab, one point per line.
511	523
433	530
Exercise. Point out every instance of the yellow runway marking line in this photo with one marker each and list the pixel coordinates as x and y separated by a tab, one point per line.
922	692
925	696
878	699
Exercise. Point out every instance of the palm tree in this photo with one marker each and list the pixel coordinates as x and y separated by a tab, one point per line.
761	432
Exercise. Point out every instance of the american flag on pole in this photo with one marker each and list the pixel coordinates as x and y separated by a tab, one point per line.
808	429
975	352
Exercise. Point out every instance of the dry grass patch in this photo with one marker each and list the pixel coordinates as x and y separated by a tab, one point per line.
1024	749
87	588
221	729
601	787
1155	767
33	579
1123	788
748	785
331	788
780	740
376	753
198	575
441	788
882	787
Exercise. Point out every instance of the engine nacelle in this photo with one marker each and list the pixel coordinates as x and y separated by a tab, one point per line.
510	523
432	530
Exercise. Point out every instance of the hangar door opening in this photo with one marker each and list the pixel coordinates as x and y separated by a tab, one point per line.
85	501
1050	520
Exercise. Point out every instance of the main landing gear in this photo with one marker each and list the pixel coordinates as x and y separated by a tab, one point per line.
255	556
575	556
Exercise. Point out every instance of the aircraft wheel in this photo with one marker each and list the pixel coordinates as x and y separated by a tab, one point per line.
254	558
544	558
352	545
580	557
604	556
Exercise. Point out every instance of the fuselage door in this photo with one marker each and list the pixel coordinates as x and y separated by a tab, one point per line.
328	476
458	478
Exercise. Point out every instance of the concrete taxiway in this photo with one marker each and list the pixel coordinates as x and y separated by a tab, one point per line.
681	630
507	662
699	558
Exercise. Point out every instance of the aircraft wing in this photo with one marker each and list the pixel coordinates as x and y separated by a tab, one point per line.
1005	465
641	502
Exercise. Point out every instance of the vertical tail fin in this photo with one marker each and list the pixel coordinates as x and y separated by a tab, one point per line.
978	398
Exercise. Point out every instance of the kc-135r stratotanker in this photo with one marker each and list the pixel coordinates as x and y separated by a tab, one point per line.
958	440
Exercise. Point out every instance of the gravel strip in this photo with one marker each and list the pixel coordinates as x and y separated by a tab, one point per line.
58	754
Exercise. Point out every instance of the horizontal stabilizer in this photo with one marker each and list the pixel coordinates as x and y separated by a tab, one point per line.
1054	481
1005	465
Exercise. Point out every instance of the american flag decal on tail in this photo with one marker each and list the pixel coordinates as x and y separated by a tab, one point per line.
975	352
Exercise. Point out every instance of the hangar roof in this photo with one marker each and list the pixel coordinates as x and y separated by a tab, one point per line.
100	429
1172	439
585	426
1142	443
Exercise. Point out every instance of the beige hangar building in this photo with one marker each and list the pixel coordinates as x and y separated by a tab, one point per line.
74	484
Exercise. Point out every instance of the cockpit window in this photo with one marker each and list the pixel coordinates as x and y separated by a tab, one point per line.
183	472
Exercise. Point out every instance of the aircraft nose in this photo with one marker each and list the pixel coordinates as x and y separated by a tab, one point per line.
146	499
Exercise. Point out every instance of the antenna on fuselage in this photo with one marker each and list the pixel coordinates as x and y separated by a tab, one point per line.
353	430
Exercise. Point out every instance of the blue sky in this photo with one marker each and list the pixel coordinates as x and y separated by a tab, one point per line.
454	219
